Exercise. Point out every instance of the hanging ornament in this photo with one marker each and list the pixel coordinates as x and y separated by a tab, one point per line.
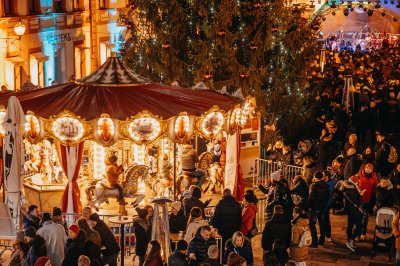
258	5
253	46
166	45
221	33
243	75
208	76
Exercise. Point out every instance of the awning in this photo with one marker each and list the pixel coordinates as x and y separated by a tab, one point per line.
16	60
41	57
108	44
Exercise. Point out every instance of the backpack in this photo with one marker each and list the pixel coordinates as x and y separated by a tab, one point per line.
306	238
393	157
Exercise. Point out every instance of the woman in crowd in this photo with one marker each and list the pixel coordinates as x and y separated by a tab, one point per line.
299	192
92	235
195	222
235	259
241	245
298	252
153	254
177	220
384	194
248	215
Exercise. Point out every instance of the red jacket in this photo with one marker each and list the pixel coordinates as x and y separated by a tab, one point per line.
248	216
369	184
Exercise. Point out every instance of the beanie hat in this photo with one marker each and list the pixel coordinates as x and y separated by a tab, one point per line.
46	217
181	245
94	217
142	212
186	193
318	175
57	211
276	176
30	232
41	261
74	228
177	205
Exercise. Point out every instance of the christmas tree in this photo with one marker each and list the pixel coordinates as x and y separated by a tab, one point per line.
261	47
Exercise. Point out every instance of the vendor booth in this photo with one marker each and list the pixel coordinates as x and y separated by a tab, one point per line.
75	131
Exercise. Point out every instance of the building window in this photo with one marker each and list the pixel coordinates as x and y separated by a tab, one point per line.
13	72
102	4
34	7
76	5
37	68
59	6
8	8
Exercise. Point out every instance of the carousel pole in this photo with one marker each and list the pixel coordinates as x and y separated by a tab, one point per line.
2	170
174	171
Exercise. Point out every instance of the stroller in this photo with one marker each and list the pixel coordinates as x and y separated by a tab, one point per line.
383	233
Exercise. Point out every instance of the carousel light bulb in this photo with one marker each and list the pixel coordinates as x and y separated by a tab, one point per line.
99	155
139	153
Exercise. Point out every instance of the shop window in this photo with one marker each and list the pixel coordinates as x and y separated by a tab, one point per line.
102	4
8	8
59	6
34	7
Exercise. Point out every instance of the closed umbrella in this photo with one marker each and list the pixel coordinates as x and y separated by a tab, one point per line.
14	122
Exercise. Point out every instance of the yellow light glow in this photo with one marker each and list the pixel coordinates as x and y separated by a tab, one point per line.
2	116
212	123
105	128
144	129
139	153
31	119
182	126
99	155
68	128
246	113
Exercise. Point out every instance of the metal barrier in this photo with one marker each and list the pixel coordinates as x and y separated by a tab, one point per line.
264	168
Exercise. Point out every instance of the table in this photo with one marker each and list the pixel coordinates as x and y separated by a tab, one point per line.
122	221
175	239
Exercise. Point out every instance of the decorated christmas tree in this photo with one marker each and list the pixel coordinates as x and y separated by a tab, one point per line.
261	47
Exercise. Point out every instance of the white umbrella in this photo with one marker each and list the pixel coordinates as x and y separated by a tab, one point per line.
14	122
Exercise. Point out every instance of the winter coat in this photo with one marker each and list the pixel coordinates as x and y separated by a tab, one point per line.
276	195
276	228
93	236
301	189
143	235
296	253
248	216
18	258
188	157
331	183
74	248
319	196
193	201
199	247
213	262
352	198
308	172
369	183
192	229
352	166
55	238
37	248
227	217
385	196
113	172
30	220
381	158
396	229
178	259
107	239
177	222
155	261
244	251
355	146
93	252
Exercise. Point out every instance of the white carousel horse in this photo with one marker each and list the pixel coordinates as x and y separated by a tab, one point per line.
100	192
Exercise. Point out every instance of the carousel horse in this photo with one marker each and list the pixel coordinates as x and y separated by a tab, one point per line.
100	191
185	180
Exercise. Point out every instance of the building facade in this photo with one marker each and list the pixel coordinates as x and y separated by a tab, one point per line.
64	39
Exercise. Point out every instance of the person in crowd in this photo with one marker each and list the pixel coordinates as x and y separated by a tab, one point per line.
92	235
55	239
153	254
178	258
368	183
248	215
150	214
213	253
199	245
300	223
36	246
83	260
58	219
382	150
279	249
384	194
188	158
317	204
195	221
299	192
396	233
75	245
308	170
86	212
254	198
326	143
43	261
337	168
32	217
143	234
352	143
19	250
352	164
113	172
277	194
194	200
111	251
227	216
394	178
276	228
368	156
270	259
331	183
287	156
234	259
177	220
241	245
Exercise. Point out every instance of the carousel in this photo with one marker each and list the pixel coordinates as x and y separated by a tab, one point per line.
115	122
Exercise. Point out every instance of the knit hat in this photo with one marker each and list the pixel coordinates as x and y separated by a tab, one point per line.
30	232
142	212
74	228
41	261
57	211
177	205
182	245
186	193
94	217
46	217
276	176
318	175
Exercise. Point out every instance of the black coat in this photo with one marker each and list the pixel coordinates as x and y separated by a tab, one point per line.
193	201
30	220
212	262
107	239
244	251
177	259
93	252
381	158
352	166
301	189
177	222
143	235
199	247
276	228
227	217
277	194
74	248
384	197
319	196
352	198
37	248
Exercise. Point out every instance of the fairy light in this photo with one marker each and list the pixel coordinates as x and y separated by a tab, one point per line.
68	128
246	112
2	116
139	153
99	167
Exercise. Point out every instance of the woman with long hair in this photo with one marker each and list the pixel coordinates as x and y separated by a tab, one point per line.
153	254
300	223
241	245
235	259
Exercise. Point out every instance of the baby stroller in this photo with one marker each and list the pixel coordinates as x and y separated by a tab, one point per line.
383	233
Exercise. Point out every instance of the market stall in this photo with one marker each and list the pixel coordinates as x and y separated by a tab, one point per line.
73	128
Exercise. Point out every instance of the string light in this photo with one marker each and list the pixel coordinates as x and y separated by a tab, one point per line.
138	153
99	155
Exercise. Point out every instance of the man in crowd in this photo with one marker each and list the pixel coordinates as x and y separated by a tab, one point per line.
188	158
32	217
58	219
200	244
193	201
382	151
178	258
36	244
